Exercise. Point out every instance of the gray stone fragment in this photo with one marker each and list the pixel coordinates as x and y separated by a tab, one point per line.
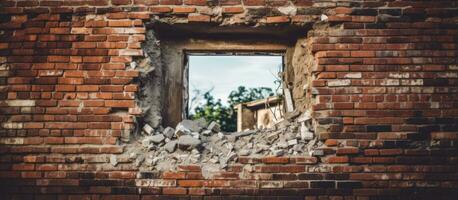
169	132
149	162
132	155
156	139
188	142
181	130
292	142
139	160
282	144
318	152
244	152
148	129
272	137
171	146
146	142
207	132
305	133
195	135
278	152
192	126
215	127
244	133
221	135
201	122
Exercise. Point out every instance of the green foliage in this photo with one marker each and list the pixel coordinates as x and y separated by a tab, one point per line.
213	110
242	94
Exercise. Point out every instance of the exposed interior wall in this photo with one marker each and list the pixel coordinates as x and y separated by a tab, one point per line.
150	96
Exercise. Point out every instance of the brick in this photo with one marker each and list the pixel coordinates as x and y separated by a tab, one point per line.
254	2
275	160
128	104
195	2
23	167
20	103
174	175
121	2
189	183
345	151
277	19
199	18
120	23
232	10
174	191
183	10
338	159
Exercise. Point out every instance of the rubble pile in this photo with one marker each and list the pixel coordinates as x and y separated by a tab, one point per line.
196	142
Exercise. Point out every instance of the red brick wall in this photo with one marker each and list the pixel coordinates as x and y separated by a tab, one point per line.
384	89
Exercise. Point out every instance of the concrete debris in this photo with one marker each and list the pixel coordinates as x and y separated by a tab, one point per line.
147	129
132	155
171	146
318	152
188	142
195	142
156	139
169	132
190	125
138	162
215	127
305	133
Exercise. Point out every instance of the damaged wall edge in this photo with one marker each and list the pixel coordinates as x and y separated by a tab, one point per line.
174	47
149	96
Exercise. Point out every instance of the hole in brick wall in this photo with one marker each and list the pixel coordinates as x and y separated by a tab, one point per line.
170	136
220	83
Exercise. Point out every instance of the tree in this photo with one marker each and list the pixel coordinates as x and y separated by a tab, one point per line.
214	110
242	94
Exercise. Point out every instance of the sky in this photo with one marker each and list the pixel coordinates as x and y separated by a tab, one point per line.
226	73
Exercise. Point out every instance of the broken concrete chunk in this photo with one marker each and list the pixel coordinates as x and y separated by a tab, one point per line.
201	122
221	135
282	124
149	162
181	130
307	115
292	142
244	133
272	137
139	160
305	133
278	152
318	152
215	127
156	139
148	129
195	135
170	146
169	132
146	142
244	152
132	155
187	142
192	126
207	132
